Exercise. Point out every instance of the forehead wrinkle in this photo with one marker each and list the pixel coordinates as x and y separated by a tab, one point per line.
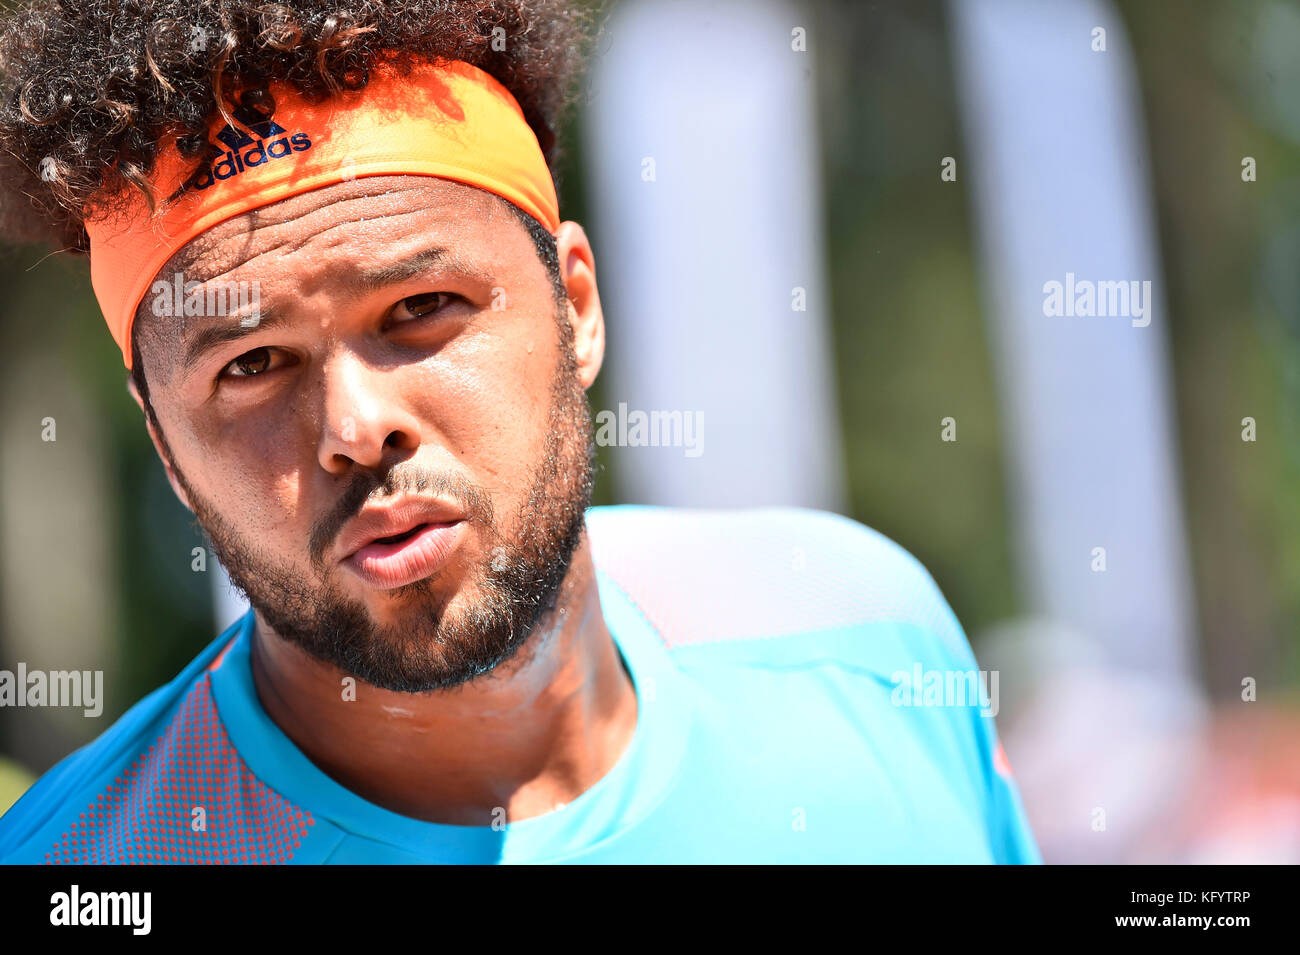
217	241
336	197
214	241
295	207
389	191
352	223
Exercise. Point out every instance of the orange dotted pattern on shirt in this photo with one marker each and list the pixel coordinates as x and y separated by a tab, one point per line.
188	798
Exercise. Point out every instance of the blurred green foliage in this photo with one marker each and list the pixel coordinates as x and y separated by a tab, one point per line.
907	323
1219	84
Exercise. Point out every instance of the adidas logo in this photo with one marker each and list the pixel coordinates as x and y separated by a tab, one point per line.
245	151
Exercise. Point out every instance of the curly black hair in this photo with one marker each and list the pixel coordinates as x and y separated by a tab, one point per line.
90	88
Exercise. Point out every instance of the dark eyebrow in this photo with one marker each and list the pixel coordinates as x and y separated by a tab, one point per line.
391	273
228	329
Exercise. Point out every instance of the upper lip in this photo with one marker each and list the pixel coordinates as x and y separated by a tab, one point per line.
395	517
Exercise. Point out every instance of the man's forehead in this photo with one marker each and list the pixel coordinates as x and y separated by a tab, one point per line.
368	210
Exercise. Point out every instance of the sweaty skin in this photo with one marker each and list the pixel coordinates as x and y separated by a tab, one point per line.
365	382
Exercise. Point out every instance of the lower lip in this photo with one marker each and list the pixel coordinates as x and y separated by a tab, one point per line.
386	566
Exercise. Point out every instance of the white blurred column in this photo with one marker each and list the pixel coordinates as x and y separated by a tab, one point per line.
706	199
1058	166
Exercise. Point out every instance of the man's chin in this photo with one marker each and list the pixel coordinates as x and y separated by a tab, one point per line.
419	644
416	608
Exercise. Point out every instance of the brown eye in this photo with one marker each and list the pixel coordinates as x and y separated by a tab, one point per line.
250	363
418	306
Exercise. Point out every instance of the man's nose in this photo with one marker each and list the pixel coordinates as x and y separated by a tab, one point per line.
365	421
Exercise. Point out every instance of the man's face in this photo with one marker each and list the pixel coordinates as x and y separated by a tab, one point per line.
410	377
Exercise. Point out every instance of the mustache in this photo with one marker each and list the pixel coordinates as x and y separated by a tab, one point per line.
365	487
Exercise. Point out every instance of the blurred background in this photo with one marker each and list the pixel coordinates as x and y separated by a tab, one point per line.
827	229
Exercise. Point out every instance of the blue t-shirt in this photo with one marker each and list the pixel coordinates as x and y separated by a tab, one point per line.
778	657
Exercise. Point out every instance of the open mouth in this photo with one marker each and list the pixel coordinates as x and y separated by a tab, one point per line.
398	538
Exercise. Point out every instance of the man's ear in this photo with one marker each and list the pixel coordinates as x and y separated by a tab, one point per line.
578	270
158	446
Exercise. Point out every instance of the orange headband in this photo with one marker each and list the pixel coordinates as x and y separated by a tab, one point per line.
446	119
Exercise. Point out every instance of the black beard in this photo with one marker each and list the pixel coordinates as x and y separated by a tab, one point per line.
519	583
